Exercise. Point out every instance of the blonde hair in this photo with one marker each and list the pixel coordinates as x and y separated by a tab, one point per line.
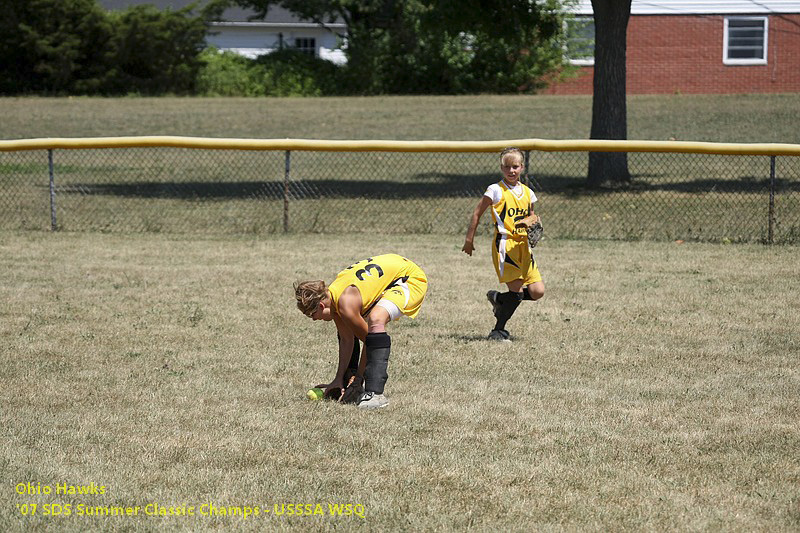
309	294
512	150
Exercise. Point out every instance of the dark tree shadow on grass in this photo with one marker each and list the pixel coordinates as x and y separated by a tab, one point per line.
428	185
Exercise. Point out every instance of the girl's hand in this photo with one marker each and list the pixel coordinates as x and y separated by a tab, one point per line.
332	388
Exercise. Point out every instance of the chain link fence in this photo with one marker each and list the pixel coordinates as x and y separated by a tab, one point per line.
686	196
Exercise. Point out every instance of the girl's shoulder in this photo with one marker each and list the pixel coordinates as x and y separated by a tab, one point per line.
495	192
495	187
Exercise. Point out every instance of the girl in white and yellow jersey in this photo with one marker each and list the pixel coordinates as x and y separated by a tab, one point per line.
512	212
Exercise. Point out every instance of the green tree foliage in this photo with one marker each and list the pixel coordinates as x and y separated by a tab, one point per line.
293	73
156	51
75	47
437	46
227	74
53	46
281	73
393	46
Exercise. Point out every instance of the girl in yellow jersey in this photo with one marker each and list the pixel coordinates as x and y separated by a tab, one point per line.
512	211
362	299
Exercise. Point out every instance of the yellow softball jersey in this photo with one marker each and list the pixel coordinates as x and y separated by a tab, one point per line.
376	275
511	255
509	206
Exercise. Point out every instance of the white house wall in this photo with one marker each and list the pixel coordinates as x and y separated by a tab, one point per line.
253	40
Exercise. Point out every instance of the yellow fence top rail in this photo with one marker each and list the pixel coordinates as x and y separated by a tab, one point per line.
544	145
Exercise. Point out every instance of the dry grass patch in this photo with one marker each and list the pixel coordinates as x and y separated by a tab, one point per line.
655	387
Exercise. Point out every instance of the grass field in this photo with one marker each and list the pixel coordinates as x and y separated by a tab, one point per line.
718	118
655	387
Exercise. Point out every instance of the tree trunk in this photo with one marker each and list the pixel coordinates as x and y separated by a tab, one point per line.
609	108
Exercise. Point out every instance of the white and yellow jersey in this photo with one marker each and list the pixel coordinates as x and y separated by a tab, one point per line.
374	276
509	206
511	254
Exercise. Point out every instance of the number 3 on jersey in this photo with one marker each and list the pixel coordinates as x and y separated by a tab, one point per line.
367	271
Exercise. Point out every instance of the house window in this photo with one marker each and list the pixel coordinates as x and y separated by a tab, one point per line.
579	32
307	45
745	41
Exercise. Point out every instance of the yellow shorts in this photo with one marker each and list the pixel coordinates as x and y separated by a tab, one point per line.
407	294
512	260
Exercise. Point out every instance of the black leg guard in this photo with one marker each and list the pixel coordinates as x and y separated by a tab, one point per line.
509	301
375	376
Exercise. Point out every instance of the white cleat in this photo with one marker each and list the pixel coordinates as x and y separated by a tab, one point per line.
370	400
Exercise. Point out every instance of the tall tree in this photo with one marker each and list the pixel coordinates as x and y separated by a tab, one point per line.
74	47
609	106
156	51
53	46
437	46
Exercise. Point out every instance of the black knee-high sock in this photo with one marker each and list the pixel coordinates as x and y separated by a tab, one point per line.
526	295
509	301
378	347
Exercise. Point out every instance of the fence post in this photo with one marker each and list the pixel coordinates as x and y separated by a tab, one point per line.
771	222
53	221
527	160
287	165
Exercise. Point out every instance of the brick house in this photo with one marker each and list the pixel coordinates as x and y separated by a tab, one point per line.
699	47
280	29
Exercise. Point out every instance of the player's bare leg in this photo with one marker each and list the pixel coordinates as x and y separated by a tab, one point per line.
534	291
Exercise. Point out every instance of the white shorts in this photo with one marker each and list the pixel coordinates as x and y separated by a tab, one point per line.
391	308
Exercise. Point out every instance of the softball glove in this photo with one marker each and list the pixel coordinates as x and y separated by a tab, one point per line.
535	233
